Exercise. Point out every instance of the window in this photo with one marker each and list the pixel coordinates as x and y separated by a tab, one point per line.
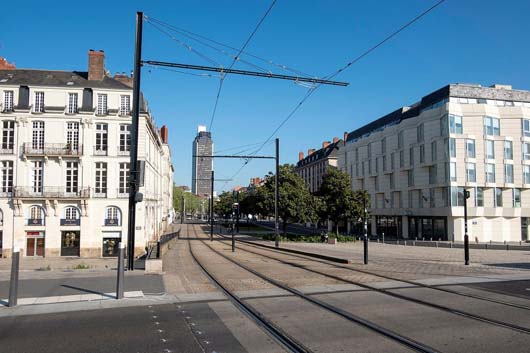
392	181
526	151
491	126
516	197
498	197
411	156
112	216
125	138
508	150
419	133
508	173
72	173
422	154
455	124
125	105
433	171
434	152
526	127
72	103
36	176
470	148
376	165
490	149
369	149
479	197
490	173
471	173
432	198
101	138
384	163
457	196
526	174
392	163
452	171
102	104
370	167
7	176
452	148
444	126
411	177
72	136
124	178
8	135
101	179
8	101
38	107
71	212
376	183
400	139
37	141
401	159
35	212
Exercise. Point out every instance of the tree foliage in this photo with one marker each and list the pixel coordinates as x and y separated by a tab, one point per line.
193	202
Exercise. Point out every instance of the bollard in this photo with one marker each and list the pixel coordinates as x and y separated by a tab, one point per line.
13	284
121	270
366	249
436	244
451	245
383	237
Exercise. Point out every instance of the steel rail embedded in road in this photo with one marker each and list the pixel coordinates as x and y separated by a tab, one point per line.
405	341
458	312
283	338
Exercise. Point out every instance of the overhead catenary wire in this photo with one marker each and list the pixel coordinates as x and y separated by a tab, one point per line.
310	92
235	60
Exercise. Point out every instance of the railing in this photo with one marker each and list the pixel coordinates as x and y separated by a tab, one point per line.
52	149
101	151
70	222
49	192
35	222
112	222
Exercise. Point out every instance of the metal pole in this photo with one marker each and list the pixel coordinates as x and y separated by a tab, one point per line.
466	237
183	211
13	284
237	214
276	194
233	237
365	234
133	175
211	207
121	270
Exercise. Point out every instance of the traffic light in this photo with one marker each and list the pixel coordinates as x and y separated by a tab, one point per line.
467	194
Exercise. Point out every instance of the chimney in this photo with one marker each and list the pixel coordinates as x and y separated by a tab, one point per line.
164	133
96	65
4	65
123	78
345	136
300	155
335	139
325	144
310	151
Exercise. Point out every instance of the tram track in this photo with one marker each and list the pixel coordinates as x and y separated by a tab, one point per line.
440	307
255	315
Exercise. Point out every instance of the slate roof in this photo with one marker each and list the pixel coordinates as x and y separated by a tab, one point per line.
329	151
30	77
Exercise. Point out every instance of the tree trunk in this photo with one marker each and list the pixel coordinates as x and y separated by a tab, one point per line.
337	228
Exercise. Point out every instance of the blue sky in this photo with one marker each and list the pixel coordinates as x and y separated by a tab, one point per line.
470	41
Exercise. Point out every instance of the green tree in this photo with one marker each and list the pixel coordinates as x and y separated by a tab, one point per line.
341	203
223	207
194	203
294	204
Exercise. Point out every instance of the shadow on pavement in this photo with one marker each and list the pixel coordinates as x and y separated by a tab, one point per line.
520	265
87	291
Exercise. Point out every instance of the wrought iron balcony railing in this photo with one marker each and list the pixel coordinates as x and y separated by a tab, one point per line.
50	192
52	149
70	222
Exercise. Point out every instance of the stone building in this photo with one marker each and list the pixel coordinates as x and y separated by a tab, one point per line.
64	163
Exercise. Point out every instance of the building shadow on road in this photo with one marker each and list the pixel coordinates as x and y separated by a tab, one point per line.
87	291
519	265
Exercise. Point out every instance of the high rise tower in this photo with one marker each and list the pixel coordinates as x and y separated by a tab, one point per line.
202	167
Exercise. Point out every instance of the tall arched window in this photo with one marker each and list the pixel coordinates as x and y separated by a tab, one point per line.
71	212
36	215
112	216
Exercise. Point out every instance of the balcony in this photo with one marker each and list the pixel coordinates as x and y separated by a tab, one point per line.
52	149
70	222
50	192
101	151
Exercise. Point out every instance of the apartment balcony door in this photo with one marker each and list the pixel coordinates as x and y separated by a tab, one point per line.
34	243
37	141
72	136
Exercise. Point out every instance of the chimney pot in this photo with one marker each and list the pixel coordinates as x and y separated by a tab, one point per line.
96	65
164	133
345	136
300	155
335	139
325	144
310	151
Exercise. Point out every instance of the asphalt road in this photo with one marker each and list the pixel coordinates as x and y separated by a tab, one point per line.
514	288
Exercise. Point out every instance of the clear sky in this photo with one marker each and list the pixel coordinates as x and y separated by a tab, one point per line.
472	41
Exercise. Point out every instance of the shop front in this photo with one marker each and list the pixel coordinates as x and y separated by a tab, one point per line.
428	228
390	226
111	241
35	243
70	243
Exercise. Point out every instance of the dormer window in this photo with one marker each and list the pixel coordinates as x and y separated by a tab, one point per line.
8	101
125	105
102	104
38	107
72	103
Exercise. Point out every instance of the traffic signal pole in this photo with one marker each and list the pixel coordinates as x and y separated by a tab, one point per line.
466	237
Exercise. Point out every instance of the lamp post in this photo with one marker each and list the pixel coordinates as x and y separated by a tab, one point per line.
467	194
365	233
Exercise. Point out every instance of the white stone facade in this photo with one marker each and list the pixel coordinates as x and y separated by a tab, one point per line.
416	162
63	178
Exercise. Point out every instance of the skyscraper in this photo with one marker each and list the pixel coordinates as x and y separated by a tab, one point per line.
202	167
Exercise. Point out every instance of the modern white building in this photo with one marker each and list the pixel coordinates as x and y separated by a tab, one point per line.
417	161
64	163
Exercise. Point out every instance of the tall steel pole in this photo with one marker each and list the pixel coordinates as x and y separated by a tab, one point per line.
133	175
466	237
211	207
276	194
